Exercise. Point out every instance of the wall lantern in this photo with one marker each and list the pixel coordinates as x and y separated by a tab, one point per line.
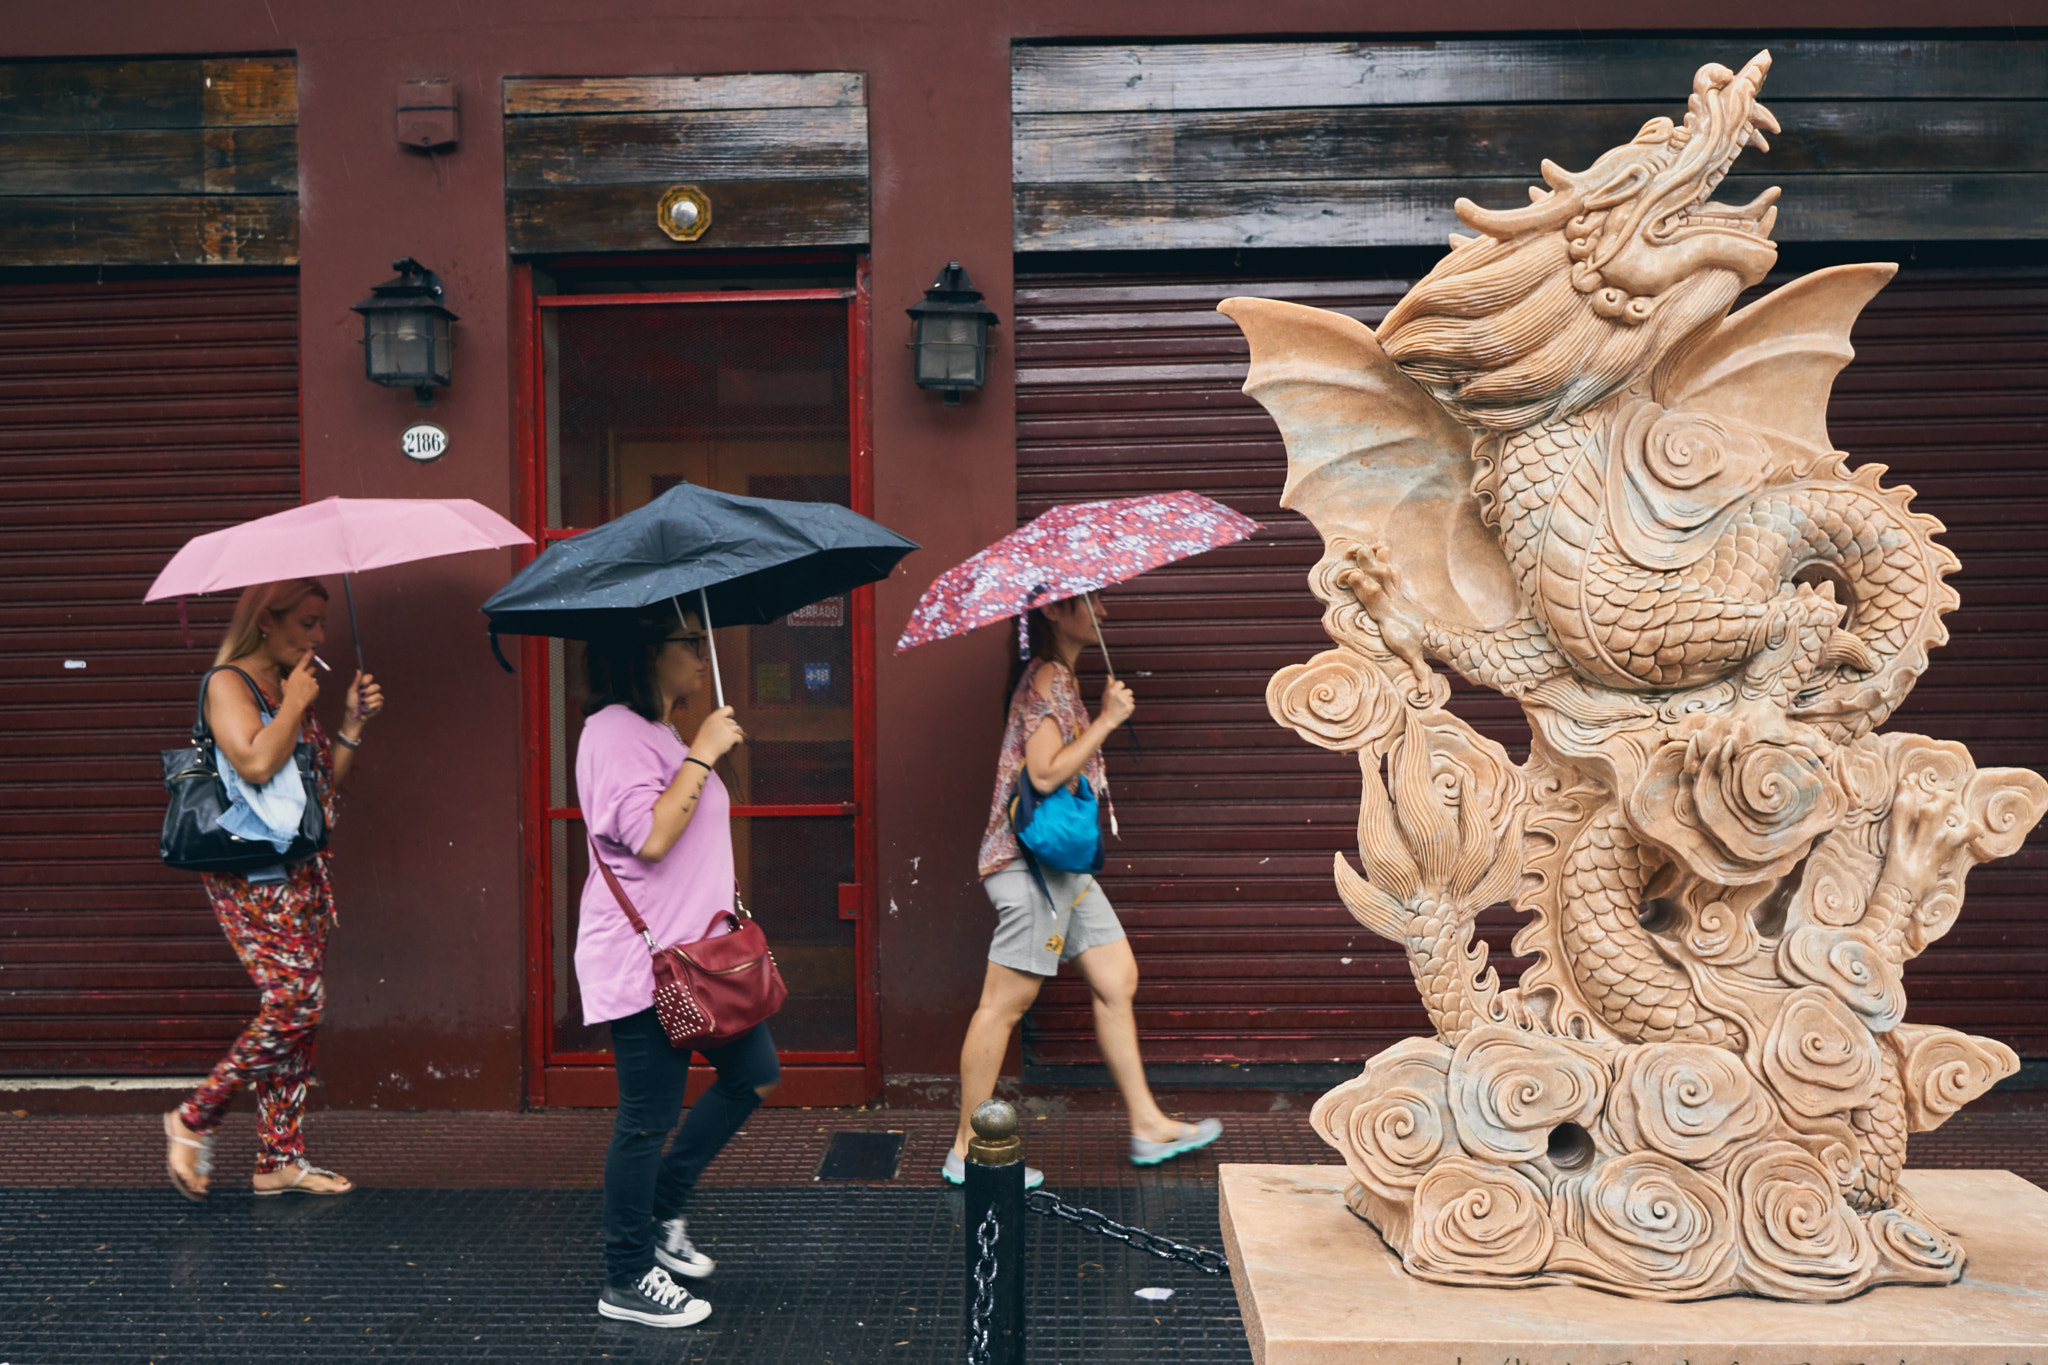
405	331
950	340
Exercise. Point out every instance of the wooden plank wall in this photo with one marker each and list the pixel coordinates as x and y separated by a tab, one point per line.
783	158
164	161
1319	144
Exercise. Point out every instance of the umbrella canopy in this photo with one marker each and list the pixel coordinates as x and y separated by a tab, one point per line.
1069	551
754	560
336	535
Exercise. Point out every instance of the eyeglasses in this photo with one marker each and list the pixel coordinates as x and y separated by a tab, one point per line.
695	642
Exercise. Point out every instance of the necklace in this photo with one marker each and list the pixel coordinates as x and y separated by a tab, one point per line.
672	730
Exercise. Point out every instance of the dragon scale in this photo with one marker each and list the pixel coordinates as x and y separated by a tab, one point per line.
1621	974
1640	629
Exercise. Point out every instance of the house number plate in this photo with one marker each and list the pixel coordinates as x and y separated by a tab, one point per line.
424	441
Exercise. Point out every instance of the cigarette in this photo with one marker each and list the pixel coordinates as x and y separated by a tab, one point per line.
323	663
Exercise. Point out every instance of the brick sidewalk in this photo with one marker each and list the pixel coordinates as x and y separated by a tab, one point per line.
564	1149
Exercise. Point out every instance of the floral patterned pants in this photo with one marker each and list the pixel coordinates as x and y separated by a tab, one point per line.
280	933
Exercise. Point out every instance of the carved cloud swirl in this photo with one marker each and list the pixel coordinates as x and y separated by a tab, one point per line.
1740	802
1472	1218
1396	1135
1510	1089
1394	1119
1686	1100
1337	700
1818	1057
1910	1244
1721	935
1799	1239
1943	1070
1646	1219
1759	798
1857	971
1681	476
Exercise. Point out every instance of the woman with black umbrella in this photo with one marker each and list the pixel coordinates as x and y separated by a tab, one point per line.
659	818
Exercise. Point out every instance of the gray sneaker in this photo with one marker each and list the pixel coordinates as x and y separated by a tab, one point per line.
1193	1137
954	1172
673	1248
657	1301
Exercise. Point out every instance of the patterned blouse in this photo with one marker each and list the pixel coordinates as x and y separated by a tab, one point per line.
308	886
1027	708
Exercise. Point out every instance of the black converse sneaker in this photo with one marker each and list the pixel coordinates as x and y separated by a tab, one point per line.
656	1301
673	1248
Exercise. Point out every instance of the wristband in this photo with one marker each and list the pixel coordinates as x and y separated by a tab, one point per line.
345	742
700	763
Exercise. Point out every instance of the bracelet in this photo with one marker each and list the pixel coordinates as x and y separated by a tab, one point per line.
700	763
345	742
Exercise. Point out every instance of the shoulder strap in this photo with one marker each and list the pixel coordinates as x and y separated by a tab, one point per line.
203	733
611	879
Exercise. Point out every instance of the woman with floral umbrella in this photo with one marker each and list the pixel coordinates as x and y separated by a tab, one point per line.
1049	907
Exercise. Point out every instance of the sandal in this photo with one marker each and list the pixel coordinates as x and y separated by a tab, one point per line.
174	1129
298	1187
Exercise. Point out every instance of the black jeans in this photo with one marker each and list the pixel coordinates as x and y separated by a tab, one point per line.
641	1186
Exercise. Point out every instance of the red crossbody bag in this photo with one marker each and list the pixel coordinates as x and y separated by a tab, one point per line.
711	991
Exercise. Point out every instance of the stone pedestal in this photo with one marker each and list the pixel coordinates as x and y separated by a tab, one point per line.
1317	1286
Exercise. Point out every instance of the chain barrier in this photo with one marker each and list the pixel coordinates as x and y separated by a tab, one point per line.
984	1290
1201	1258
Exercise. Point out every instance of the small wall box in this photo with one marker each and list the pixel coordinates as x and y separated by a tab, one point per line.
427	114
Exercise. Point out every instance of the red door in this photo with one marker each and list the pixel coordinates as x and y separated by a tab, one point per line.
756	392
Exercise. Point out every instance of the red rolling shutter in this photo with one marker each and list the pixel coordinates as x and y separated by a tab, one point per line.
133	415
1128	385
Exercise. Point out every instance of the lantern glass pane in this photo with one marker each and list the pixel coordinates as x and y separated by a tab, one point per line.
407	348
949	351
441	352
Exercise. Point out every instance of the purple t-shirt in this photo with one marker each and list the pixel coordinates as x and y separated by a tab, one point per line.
623	765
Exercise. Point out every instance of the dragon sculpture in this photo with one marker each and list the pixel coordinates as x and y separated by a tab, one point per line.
1563	469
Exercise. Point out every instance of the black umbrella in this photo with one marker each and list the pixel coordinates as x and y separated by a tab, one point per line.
746	561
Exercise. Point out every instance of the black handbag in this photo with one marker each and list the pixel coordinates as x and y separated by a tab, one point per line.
192	838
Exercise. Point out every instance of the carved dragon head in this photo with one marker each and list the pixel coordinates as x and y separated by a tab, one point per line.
1642	219
1565	301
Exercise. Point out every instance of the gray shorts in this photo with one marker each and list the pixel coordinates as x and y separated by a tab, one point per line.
1032	936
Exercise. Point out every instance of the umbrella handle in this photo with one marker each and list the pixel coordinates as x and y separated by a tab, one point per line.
717	683
1109	667
348	590
1130	726
704	612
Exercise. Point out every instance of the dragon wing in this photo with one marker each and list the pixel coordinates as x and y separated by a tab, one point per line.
1371	457
1772	365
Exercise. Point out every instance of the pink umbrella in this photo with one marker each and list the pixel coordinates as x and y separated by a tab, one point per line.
335	535
1069	551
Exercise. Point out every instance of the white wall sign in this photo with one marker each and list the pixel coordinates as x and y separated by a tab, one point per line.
424	441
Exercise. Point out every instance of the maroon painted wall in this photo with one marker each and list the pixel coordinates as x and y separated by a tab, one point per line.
426	977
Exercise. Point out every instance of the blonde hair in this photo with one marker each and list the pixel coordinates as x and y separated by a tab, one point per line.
258	600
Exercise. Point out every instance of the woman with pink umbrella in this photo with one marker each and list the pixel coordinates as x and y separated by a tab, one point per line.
257	706
1043	844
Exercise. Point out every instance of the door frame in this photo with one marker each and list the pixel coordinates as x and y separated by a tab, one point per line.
808	1078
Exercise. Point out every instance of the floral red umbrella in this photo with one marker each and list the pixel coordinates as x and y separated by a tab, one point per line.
1069	551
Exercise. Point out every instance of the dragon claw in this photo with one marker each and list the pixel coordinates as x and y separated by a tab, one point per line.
1375	582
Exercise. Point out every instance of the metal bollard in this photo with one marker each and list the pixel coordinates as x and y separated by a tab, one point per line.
995	1238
